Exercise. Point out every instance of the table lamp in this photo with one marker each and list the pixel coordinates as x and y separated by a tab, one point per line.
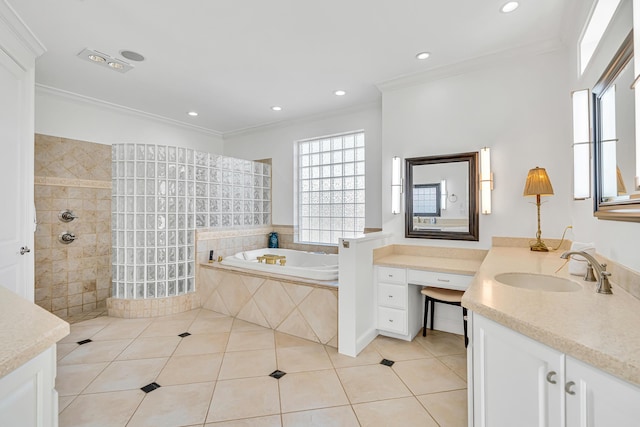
538	184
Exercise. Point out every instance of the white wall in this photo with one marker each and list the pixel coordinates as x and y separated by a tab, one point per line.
73	117
519	107
614	239
277	143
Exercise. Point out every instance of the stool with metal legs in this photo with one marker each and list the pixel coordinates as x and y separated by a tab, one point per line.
444	296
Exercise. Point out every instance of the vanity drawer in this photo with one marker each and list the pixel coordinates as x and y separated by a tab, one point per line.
392	320
392	275
394	296
439	280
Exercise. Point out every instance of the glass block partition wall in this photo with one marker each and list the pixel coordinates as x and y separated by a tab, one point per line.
160	195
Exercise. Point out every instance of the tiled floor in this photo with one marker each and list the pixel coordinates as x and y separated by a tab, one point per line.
219	376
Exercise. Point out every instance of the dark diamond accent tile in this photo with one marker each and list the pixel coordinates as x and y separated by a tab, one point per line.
184	334
277	374
150	387
84	342
387	362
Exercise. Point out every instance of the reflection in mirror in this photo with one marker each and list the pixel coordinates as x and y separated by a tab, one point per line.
615	140
441	197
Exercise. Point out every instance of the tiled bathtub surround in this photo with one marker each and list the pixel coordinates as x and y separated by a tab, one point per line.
160	196
302	310
229	242
76	175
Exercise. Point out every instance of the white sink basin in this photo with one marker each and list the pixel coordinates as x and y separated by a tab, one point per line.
538	282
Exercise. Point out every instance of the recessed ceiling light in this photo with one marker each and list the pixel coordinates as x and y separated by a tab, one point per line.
340	92
509	7
116	65
192	113
96	58
276	108
423	55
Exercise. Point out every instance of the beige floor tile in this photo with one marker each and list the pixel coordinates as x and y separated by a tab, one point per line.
146	348
64	401
98	321
270	421
457	363
80	332
104	409
93	352
311	390
72	379
368	356
251	340
442	343
428	376
286	340
185	315
166	328
127	375
177	405
448	408
195	368
242	326
393	349
392	413
306	358
245	364
209	314
371	382
128	328
63	349
340	416
211	325
244	398
202	344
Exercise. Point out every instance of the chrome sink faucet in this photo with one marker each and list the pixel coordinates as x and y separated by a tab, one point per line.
604	287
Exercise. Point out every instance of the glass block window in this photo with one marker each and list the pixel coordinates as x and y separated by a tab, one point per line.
331	188
426	200
160	196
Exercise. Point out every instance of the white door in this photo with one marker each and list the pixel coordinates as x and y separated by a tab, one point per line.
16	177
516	380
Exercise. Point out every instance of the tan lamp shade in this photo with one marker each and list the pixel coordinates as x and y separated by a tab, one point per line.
538	183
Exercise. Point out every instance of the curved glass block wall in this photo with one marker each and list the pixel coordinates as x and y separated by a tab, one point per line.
160	196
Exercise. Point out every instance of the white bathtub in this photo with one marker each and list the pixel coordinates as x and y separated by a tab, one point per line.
308	265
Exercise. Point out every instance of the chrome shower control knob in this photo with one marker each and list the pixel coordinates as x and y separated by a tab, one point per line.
67	238
67	216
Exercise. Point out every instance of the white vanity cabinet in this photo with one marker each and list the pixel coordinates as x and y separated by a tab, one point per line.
27	395
515	380
400	305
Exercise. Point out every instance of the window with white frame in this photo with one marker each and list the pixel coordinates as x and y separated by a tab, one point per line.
599	20
330	188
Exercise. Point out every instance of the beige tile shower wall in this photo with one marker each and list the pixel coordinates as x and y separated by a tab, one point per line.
75	175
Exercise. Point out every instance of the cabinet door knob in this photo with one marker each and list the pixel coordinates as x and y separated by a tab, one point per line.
567	388
24	250
390	320
550	376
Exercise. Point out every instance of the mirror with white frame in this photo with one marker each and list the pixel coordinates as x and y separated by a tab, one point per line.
441	197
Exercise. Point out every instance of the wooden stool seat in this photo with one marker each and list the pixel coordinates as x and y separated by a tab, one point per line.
445	296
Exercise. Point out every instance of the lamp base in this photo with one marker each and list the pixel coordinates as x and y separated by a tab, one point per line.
539	246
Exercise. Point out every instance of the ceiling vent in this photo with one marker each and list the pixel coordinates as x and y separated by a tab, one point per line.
105	60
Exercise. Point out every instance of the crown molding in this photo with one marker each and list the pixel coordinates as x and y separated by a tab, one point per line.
20	36
122	109
308	118
466	66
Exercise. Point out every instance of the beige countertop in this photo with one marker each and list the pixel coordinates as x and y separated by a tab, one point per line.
26	330
431	258
602	330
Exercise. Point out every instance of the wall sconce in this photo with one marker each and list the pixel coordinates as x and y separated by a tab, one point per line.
486	180
581	145
396	185
443	194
